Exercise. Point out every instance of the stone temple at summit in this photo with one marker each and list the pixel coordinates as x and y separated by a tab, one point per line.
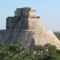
26	28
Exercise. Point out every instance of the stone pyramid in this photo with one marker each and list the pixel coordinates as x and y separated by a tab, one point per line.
26	28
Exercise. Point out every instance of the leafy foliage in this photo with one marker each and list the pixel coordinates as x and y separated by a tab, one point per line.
57	34
18	52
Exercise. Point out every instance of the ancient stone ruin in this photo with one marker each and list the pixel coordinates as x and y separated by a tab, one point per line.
26	28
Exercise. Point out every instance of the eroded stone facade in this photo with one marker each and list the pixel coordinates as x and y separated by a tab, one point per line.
26	28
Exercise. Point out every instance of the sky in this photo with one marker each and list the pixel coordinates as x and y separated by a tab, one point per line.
48	10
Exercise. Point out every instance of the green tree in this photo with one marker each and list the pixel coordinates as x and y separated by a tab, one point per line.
50	52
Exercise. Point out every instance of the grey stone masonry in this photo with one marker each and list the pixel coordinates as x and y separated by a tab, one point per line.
26	28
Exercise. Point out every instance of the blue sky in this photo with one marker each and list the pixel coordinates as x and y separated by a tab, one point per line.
48	10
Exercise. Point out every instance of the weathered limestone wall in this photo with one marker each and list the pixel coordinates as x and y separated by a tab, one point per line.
26	28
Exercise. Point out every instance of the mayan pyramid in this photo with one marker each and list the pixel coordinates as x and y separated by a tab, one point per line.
26	28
